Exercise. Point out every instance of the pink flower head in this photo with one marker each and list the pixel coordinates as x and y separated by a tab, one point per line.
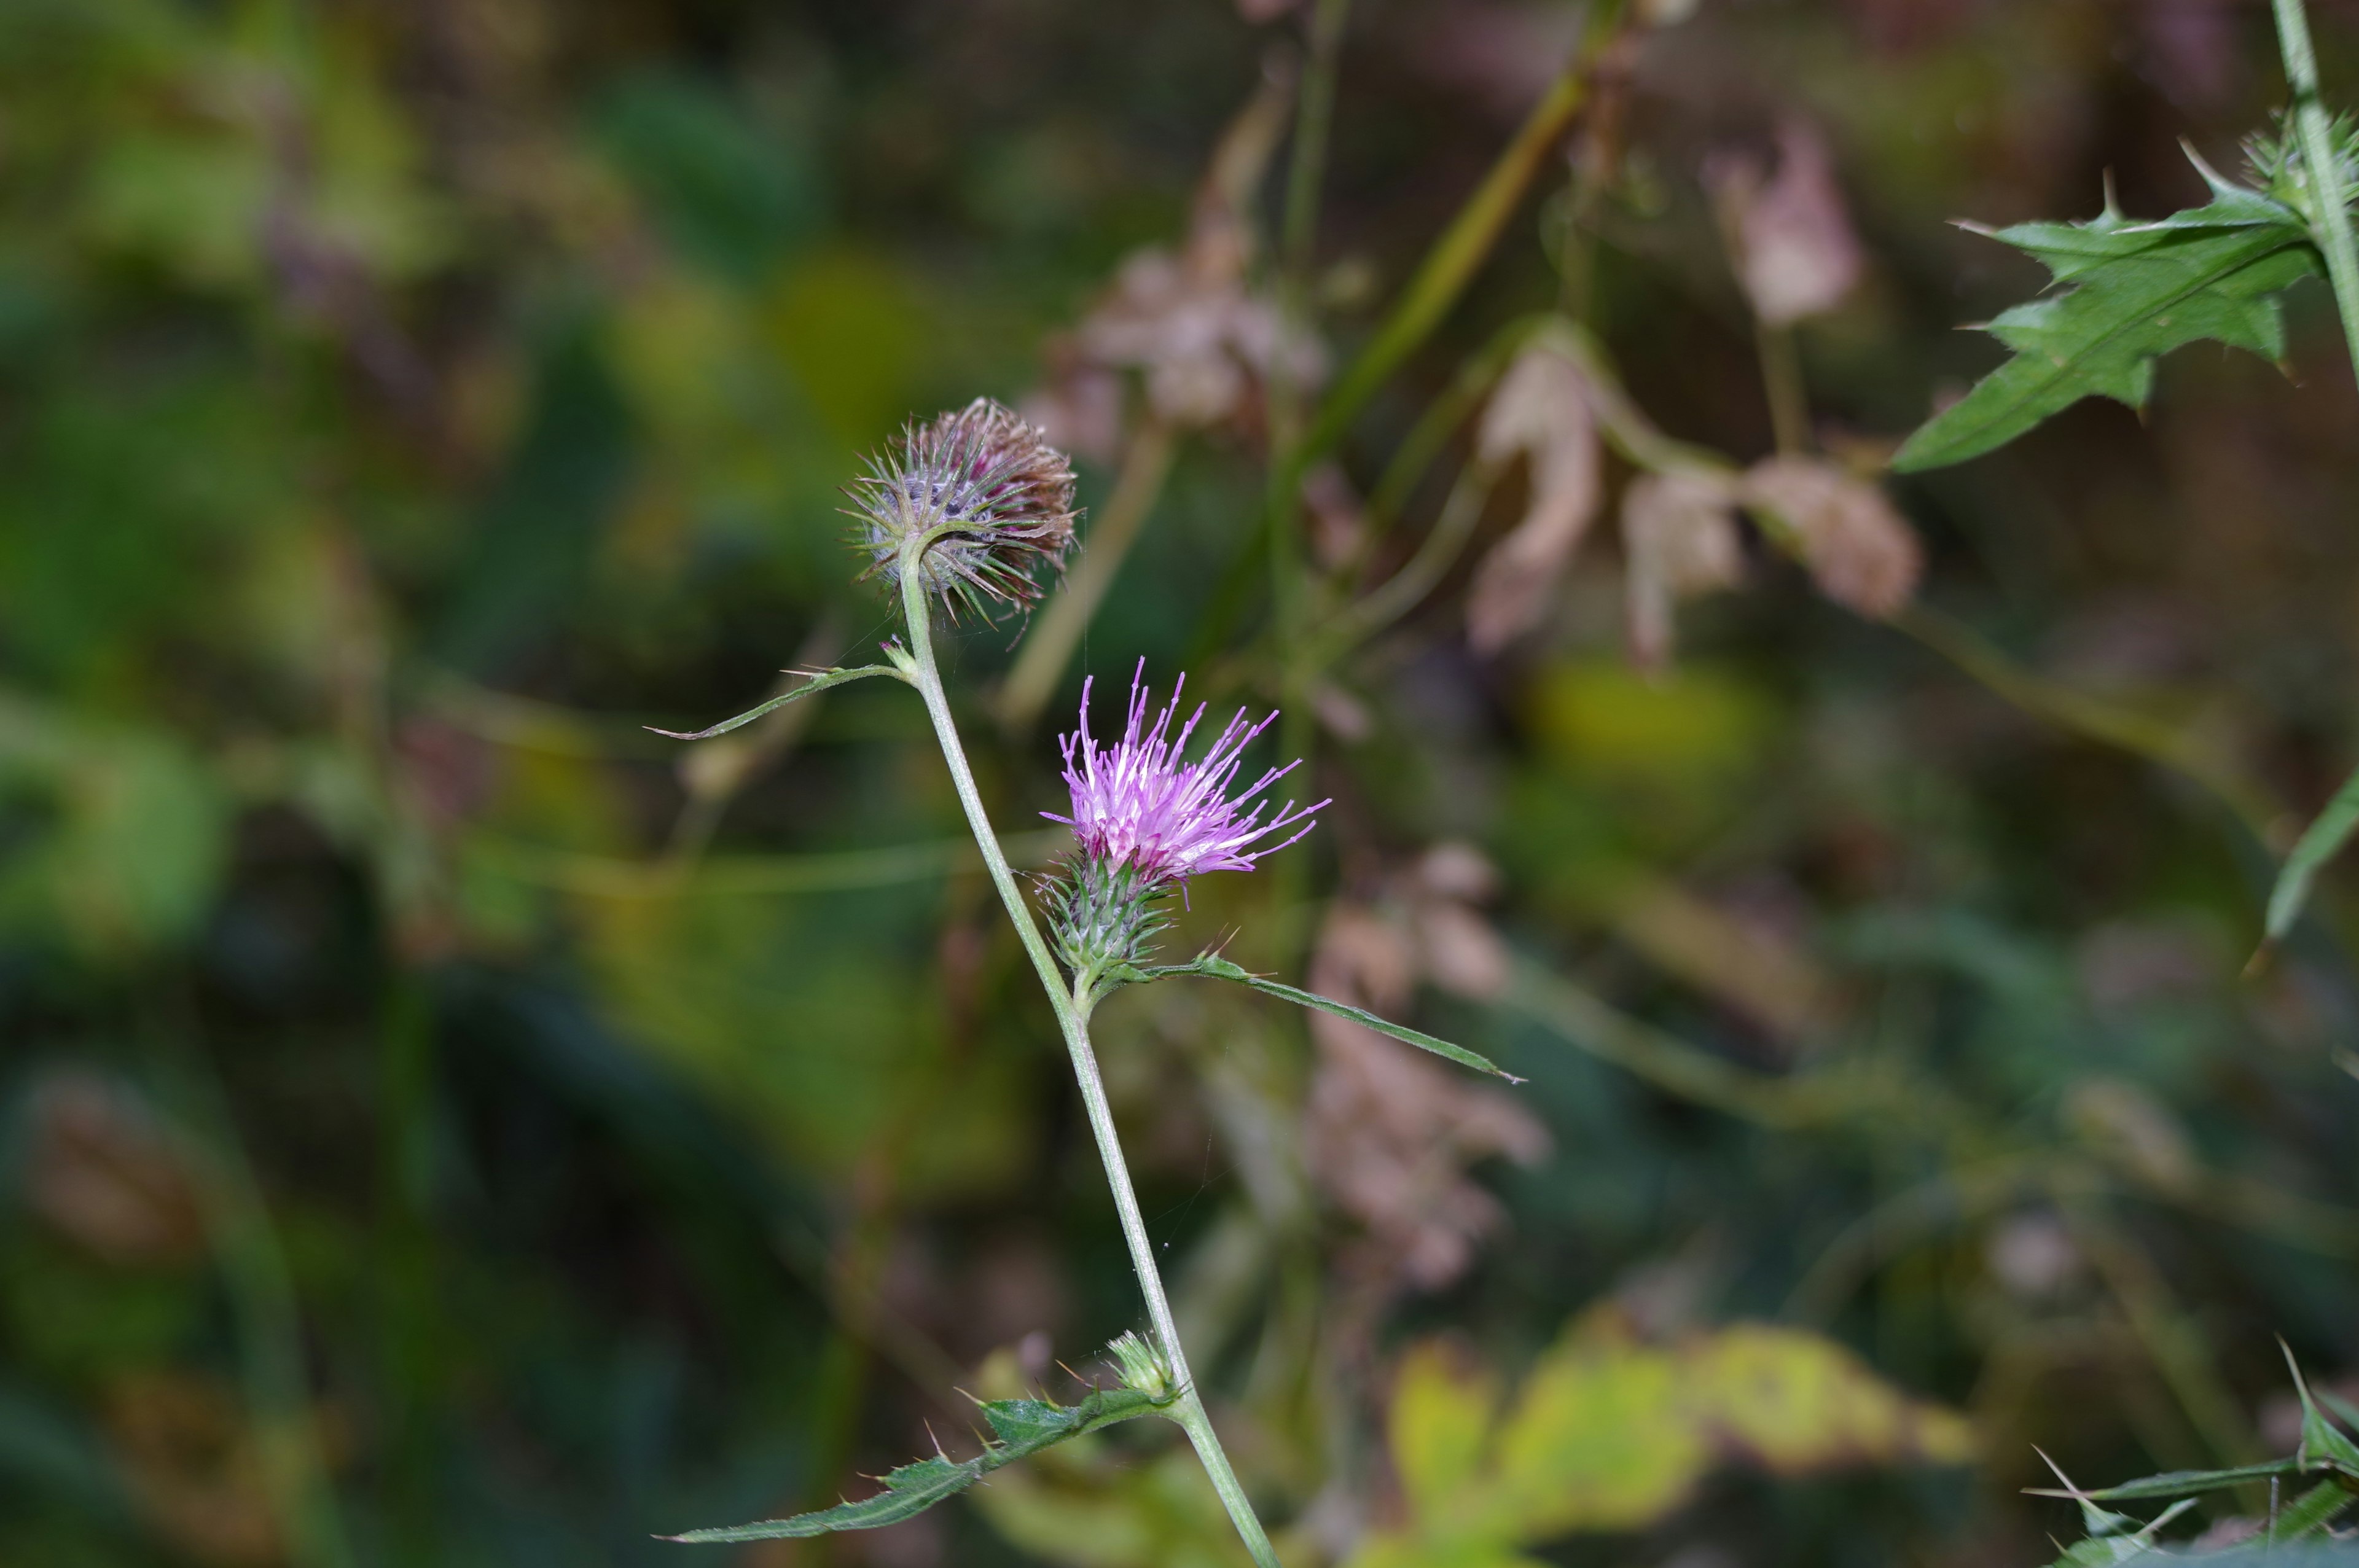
1136	804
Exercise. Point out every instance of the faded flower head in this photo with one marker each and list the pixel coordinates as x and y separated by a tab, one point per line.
1145	820
1004	495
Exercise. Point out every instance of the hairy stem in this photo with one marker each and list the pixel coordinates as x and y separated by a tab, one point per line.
1072	1018
2311	123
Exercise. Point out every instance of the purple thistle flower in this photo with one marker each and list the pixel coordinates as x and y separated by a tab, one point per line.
1139	806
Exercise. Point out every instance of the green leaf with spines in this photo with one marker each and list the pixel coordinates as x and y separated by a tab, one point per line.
1214	967
1024	1427
2323	1444
818	680
2132	292
2307	1517
2178	1483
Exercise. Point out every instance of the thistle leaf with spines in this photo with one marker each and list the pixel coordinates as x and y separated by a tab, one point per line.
1022	1428
2131	292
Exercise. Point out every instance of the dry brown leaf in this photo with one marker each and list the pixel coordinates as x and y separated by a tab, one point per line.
1678	538
1746	967
1186	321
195	1468
1388	1134
1079	404
1861	553
1454	870
1540	412
1337	518
1797	256
1462	952
104	1174
1362	953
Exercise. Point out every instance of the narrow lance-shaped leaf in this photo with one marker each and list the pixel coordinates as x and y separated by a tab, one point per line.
2178	1483
2319	842
2132	292
1214	967
1023	1427
820	680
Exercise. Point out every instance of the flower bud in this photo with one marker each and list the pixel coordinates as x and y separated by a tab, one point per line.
1144	1369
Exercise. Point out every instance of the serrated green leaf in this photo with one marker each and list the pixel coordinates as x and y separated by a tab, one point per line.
1214	967
2133	292
817	682
2307	1515
1025	1427
2178	1483
2319	842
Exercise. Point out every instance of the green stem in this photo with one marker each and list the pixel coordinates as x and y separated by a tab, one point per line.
1072	1019
1781	384
1314	117
1442	277
2333	221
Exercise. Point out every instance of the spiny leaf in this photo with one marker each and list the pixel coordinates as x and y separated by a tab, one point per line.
2319	843
2104	1547
2322	1443
2178	1483
1219	969
2135	291
820	680
2307	1516
1025	1427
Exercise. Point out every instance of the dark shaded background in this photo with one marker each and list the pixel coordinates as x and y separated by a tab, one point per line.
442	1127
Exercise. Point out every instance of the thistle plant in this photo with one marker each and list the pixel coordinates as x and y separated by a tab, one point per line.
960	515
994	498
1145	821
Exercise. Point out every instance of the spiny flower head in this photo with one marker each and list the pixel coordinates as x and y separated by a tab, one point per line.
1005	492
1139	806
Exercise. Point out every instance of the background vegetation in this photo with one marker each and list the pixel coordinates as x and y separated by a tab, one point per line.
443	1123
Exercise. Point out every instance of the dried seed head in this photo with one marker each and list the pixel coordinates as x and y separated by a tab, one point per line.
1004	495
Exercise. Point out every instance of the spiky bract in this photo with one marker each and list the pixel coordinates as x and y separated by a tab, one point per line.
1144	1369
1000	492
2279	165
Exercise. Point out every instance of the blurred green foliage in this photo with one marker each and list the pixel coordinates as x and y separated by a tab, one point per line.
443	1123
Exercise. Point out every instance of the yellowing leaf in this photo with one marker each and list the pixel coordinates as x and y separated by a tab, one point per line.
1606	720
1599	1441
1442	1418
1791	1401
1610	1433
